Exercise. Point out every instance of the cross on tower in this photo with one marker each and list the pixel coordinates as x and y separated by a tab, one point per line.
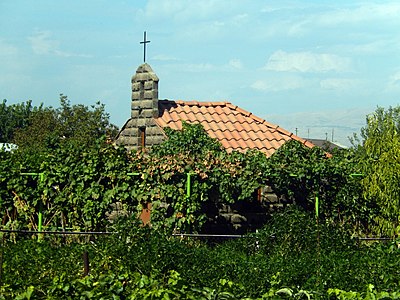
144	46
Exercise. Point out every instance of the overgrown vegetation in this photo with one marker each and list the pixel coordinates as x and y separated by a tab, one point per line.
291	257
85	181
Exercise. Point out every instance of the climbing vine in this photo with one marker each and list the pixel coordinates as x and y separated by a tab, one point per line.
82	187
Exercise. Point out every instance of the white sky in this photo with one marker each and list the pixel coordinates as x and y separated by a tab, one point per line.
312	65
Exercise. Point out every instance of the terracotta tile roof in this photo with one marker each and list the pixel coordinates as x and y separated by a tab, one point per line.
235	128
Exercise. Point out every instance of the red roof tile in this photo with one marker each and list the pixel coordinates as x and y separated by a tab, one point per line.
233	127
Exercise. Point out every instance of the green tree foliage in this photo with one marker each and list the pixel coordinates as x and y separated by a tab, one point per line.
379	158
42	131
72	123
14	117
303	174
192	140
83	123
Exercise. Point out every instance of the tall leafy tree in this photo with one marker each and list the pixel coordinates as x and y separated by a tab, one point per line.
82	123
78	123
380	153
303	174
14	117
42	132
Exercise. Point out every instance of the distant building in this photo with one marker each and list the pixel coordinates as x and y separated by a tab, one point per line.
325	144
235	128
8	147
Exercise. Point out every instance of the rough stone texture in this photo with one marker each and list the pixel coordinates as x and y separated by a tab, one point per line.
238	219
272	198
144	107
243	216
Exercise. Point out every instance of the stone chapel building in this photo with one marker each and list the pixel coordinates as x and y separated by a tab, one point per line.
235	128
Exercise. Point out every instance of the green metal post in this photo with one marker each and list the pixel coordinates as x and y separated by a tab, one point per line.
133	174
188	185
356	175
40	214
316	205
40	218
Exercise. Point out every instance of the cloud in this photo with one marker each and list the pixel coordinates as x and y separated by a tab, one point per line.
235	63
280	84
194	68
309	62
7	49
42	43
185	10
341	84
394	82
163	57
361	14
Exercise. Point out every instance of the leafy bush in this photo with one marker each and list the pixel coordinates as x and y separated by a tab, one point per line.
292	257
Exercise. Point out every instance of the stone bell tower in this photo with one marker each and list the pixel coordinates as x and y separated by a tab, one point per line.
141	130
144	93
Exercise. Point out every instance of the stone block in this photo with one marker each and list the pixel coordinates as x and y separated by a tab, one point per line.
143	104
141	122
131	123
140	76
236	219
136	95
134	113
154	131
149	85
136	86
272	198
145	115
268	189
150	94
144	75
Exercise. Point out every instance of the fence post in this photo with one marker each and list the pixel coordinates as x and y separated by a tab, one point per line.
86	267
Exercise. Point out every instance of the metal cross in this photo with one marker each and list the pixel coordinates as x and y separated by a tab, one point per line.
144	46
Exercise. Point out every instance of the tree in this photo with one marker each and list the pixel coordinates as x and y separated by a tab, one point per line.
302	174
379	158
42	131
14	117
80	124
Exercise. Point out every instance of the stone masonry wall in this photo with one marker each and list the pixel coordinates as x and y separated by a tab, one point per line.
243	216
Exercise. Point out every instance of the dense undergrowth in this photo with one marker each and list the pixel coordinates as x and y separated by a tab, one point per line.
291	257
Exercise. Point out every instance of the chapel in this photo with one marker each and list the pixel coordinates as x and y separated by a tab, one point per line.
235	128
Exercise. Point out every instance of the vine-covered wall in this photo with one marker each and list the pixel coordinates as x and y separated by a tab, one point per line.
81	185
